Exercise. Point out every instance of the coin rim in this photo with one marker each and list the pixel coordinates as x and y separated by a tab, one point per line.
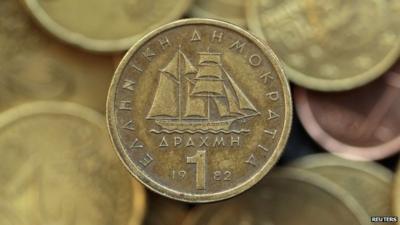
321	160
318	84
197	11
139	199
333	145
302	176
91	44
187	197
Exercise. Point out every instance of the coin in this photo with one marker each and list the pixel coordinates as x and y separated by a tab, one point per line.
329	45
228	10
199	110
396	194
58	168
362	124
106	25
34	67
163	211
368	182
287	197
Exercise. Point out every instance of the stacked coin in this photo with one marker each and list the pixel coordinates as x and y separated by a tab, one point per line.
199	110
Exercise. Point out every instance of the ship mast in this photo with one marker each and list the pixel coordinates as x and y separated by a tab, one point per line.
179	86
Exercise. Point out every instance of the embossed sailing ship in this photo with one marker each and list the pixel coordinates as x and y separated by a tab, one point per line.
202	99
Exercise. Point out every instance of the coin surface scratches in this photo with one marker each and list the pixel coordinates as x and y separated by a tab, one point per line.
199	110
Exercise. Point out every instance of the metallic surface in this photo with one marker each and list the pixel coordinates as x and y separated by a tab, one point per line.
330	45
104	25
368	182
164	211
232	11
220	151
58	168
362	124
287	197
35	67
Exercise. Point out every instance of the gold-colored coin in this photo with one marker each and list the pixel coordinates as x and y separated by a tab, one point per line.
228	10
199	110
163	211
104	25
34	67
330	45
58	167
368	182
286	197
396	194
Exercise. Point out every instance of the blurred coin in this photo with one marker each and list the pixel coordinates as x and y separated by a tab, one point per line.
286	197
362	124
228	10
199	110
163	211
368	182
104	25
396	194
58	167
330	45
34	67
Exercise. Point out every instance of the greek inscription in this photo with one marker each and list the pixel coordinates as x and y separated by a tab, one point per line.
149	54
195	36
147	159
217	36
274	96
164	42
251	160
125	105
255	60
238	45
129	85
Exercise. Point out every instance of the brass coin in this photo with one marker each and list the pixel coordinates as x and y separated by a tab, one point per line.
330	45
58	168
368	182
163	211
396	194
199	110
232	11
287	197
34	67
104	25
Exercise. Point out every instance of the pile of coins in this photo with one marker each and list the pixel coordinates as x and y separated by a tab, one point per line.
203	112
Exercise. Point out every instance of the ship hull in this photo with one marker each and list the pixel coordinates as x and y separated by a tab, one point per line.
195	126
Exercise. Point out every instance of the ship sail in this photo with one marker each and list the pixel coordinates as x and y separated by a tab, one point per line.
198	99
244	102
166	100
195	106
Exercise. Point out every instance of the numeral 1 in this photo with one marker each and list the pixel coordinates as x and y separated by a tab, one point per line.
200	160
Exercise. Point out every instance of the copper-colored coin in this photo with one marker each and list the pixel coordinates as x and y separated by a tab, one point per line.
35	67
232	11
368	182
287	197
104	25
199	110
58	167
396	194
330	45
362	124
